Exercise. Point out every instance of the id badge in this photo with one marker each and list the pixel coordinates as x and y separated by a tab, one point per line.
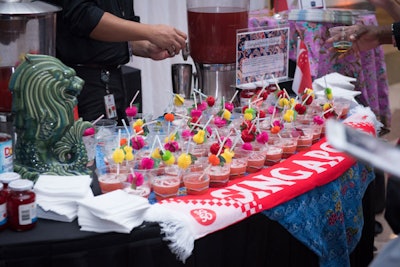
109	103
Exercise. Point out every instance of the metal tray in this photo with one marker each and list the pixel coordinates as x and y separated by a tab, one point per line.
333	15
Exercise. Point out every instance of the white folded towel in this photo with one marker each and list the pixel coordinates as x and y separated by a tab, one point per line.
63	186
115	211
57	196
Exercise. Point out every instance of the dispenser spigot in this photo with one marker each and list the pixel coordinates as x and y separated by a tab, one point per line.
186	51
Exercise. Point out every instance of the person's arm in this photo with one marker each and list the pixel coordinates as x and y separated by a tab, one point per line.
392	7
114	29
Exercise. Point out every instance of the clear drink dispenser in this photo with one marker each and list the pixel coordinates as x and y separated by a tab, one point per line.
25	27
212	26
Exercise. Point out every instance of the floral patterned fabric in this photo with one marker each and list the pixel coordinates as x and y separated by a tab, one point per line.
369	68
328	219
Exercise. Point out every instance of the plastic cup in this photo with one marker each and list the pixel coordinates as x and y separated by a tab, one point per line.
219	175
142	190
273	154
90	145
196	183
256	158
105	136
305	138
343	44
165	186
110	180
238	164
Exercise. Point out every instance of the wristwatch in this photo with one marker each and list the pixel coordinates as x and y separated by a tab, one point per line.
396	34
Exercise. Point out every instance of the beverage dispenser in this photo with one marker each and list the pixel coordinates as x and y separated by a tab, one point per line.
212	26
25	27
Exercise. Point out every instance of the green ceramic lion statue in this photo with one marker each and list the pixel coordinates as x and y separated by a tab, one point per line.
48	139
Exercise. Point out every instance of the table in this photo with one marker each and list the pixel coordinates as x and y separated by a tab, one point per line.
369	67
256	241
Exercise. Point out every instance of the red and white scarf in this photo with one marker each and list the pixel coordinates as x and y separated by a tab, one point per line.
185	219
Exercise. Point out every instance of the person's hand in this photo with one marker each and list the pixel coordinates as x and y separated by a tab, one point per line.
363	37
149	50
168	38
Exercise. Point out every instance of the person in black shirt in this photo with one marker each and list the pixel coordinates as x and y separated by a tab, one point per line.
96	38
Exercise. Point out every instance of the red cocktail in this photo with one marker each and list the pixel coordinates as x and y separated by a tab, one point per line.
212	33
196	183
219	175
165	186
5	93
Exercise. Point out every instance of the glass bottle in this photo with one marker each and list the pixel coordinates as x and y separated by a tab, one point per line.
21	205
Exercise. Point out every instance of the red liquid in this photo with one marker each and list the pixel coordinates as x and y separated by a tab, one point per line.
255	162
219	176
238	168
5	93
194	185
3	209
15	200
212	33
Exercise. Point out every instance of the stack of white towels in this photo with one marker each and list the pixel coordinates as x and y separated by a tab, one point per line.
116	211
57	196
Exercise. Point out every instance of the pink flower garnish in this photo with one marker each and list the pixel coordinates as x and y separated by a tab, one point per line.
318	120
228	142
147	163
209	131
195	113
139	178
219	122
131	111
202	106
137	142
247	146
229	106
135	180
262	138
172	146
270	110
278	123
186	134
89	131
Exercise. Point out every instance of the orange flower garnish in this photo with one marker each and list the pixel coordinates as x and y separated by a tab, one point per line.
276	129
213	160
138	129
169	117
123	142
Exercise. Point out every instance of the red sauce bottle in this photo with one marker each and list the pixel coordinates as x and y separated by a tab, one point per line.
3	208
21	205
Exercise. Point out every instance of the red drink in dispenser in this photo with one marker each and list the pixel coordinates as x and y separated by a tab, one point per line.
212	33
5	93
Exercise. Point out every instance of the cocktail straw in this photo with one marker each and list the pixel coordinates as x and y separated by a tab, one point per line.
217	134
134	98
276	82
208	122
127	131
119	144
98	119
235	142
199	92
233	97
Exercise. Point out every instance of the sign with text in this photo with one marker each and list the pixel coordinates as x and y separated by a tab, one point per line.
307	4
262	54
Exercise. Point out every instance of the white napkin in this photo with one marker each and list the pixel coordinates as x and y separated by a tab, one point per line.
57	196
341	85
63	186
115	211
